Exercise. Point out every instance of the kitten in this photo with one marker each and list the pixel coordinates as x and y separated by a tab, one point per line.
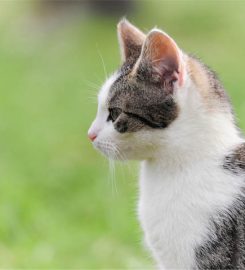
168	110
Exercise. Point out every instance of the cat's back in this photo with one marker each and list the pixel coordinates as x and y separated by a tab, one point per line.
226	248
235	161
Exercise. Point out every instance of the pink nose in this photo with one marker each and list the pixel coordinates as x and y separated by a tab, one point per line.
92	136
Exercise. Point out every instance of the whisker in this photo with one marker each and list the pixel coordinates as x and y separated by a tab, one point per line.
112	176
114	151
98	79
103	63
123	161
92	84
92	99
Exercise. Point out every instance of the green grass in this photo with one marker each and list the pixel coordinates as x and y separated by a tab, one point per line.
58	206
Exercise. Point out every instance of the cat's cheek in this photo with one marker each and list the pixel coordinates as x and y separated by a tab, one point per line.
105	137
121	146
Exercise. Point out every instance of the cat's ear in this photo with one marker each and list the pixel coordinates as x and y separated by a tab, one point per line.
131	40
162	58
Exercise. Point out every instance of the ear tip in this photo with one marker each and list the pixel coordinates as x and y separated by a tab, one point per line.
157	31
123	22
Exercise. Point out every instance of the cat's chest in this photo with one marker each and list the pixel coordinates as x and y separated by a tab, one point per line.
175	209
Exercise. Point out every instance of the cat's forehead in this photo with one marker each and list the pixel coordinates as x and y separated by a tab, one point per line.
117	84
130	91
122	90
119	75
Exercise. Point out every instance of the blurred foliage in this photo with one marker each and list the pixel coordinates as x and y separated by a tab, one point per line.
59	206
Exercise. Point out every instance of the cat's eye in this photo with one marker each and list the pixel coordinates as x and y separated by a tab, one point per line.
113	114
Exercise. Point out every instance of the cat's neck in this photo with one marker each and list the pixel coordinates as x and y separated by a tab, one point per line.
200	141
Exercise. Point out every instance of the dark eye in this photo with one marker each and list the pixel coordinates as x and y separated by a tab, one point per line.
113	114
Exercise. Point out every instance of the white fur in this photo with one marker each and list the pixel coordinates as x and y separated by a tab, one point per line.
182	182
176	205
102	112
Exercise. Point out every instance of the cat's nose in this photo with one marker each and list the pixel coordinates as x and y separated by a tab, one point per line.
93	131
92	136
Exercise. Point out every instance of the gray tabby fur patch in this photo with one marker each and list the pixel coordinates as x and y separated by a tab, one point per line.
226	247
139	102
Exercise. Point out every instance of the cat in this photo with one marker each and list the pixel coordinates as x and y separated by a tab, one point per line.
168	110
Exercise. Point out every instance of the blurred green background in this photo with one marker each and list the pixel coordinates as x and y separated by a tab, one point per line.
59	205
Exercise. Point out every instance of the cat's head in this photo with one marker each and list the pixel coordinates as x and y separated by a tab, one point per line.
146	102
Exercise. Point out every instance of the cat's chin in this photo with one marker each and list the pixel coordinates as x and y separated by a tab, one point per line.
123	152
112	156
109	151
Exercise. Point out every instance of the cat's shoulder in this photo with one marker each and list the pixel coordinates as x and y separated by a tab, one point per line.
235	160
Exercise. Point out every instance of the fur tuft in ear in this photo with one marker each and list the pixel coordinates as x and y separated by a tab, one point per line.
162	57
131	40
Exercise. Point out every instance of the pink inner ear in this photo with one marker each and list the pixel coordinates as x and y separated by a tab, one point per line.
164	55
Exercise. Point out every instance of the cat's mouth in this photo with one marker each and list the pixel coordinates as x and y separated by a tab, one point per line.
109	149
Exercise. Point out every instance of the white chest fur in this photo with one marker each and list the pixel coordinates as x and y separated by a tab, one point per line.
175	207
